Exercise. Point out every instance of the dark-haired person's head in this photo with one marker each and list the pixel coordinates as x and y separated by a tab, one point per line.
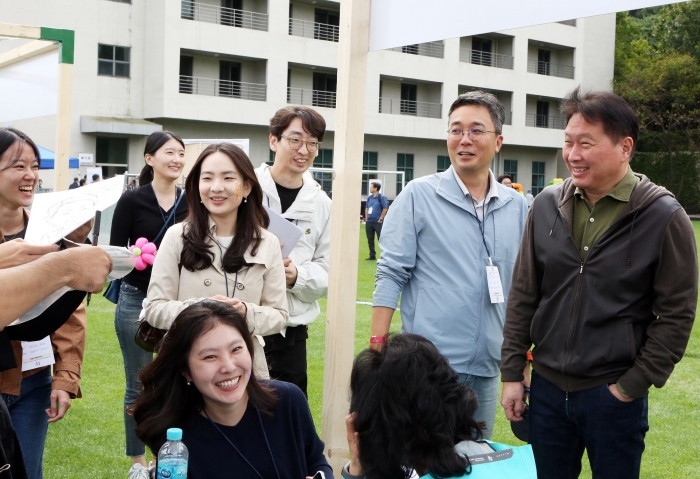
19	169
164	155
96	177
82	182
410	410
599	140
505	180
222	184
207	345
296	133
376	187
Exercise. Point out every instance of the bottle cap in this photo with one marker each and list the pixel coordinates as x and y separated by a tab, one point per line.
174	434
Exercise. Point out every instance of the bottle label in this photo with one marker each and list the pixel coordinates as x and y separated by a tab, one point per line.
172	469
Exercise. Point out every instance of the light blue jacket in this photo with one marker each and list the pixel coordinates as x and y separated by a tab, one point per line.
433	254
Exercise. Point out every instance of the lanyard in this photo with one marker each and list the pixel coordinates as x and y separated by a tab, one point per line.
482	222
235	281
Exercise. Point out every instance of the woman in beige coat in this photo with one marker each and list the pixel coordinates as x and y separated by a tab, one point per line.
222	250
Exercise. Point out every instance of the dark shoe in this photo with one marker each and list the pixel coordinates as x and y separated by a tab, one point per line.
371	258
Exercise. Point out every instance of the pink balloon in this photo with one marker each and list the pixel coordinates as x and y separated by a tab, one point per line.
140	264
148	248
140	242
148	258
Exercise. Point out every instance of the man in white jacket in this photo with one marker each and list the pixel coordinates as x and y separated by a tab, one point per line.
296	133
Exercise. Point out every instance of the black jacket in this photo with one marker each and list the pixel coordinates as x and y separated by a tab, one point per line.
624	315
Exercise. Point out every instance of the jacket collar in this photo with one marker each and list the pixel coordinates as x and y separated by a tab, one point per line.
449	189
303	206
217	252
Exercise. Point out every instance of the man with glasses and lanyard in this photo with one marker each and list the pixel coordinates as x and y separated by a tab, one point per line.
296	133
449	244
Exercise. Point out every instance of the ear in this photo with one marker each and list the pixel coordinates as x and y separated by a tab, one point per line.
627	144
499	143
247	188
273	142
147	159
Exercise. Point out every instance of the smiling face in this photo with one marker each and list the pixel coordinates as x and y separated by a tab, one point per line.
595	161
220	367
19	172
168	161
221	187
507	182
472	157
293	162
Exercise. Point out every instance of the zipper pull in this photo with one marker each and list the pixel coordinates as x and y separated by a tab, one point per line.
581	270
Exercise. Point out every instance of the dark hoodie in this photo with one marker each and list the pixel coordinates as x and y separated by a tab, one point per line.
625	315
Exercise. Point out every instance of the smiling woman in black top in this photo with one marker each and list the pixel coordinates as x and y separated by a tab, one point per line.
142	213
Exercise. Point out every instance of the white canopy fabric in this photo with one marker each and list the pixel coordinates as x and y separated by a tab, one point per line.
395	23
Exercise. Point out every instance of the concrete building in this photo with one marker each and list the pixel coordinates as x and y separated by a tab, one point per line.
221	68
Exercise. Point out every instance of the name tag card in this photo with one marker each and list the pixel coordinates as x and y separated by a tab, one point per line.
495	286
36	354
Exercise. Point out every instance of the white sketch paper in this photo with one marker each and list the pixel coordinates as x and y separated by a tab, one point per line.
54	215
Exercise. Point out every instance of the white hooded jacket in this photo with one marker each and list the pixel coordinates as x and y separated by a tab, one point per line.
311	211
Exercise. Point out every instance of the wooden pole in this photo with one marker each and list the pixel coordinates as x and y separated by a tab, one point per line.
61	179
345	226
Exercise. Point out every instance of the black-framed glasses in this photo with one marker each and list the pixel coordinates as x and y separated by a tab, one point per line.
473	133
295	143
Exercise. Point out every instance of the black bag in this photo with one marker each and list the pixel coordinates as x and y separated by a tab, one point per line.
148	337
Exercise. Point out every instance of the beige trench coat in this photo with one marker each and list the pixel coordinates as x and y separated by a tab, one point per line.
262	287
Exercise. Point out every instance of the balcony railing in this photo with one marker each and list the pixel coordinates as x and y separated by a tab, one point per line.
230	89
429	49
317	31
545	121
395	106
223	16
552	69
488	59
571	23
300	96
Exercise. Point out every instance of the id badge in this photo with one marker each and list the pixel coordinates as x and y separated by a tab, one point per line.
369	210
495	286
36	354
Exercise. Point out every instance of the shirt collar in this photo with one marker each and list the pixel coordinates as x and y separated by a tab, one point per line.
622	191
493	186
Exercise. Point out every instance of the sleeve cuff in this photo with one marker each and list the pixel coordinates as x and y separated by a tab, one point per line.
345	473
634	383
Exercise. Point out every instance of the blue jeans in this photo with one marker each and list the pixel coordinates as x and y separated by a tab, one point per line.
612	431
486	390
29	419
135	358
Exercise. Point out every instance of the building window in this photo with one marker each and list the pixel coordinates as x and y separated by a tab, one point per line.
113	61
542	119
404	162
112	154
537	177
186	74
324	160
409	94
271	161
510	167
443	163
369	162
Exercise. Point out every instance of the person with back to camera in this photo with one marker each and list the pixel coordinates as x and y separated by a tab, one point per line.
233	423
222	251
409	412
33	394
144	212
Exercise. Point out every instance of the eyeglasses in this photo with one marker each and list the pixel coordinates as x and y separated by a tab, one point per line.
473	133
295	143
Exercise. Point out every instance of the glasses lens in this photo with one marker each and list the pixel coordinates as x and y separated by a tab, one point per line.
312	145
456	134
475	133
294	143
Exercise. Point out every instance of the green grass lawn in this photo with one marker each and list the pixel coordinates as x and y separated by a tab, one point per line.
89	442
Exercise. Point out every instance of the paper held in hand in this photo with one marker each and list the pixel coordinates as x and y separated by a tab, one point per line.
288	233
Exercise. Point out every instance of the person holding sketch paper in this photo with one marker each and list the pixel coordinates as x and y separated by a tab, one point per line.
33	395
296	133
222	251
145	212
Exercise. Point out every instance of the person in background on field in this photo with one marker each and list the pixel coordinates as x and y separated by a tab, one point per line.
75	184
446	238
296	133
144	213
375	211
529	197
605	287
506	180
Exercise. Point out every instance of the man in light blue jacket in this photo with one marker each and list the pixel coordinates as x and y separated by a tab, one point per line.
448	245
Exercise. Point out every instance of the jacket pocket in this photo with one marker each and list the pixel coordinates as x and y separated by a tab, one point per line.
631	341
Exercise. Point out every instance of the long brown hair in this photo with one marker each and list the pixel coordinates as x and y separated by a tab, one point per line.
166	399
252	217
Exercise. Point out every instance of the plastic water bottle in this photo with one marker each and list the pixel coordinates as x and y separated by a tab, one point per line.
173	456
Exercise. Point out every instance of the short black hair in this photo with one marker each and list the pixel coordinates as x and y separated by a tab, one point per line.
488	101
95	177
377	185
616	116
503	177
410	409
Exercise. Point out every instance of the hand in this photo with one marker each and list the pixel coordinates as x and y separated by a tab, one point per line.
235	303
380	220
16	252
512	397
354	446
63	400
290	272
87	268
616	393
526	375
79	235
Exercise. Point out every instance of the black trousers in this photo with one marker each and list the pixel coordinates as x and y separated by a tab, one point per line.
286	356
371	228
